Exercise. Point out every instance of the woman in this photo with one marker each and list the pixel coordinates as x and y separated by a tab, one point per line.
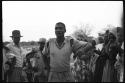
109	72
100	62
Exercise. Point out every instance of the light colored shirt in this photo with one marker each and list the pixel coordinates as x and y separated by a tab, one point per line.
99	46
18	52
60	56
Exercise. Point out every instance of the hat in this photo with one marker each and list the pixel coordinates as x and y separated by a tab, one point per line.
42	40
16	33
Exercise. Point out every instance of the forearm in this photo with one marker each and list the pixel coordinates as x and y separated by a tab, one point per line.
83	49
87	47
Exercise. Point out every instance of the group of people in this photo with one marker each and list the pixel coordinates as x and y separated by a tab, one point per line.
103	63
51	62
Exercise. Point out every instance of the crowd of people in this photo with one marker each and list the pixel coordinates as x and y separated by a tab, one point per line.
93	62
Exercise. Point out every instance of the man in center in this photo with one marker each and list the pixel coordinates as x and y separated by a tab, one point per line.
58	50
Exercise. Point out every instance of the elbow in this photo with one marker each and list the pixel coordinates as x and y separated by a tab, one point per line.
88	47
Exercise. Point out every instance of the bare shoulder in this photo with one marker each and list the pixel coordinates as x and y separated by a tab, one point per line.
9	45
51	39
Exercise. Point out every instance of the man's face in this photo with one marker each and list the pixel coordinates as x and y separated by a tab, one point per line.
119	36
111	37
59	30
42	45
16	39
106	38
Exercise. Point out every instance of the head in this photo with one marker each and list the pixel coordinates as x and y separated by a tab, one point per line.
16	40
93	43
16	36
42	42
106	37
60	29
112	37
113	48
101	40
120	36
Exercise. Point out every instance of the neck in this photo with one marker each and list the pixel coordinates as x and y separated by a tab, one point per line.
60	39
17	44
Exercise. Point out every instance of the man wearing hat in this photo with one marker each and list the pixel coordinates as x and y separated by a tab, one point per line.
19	53
40	66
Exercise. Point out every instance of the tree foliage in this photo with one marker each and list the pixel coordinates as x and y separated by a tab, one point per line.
82	32
109	27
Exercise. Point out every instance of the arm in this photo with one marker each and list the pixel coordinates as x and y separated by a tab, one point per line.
80	47
46	57
9	52
45	51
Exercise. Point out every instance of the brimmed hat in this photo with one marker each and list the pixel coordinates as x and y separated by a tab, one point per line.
16	33
42	40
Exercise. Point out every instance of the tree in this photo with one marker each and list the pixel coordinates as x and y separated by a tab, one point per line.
109	27
82	32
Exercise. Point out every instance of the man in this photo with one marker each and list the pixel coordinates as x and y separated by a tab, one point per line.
120	56
19	53
40	74
59	50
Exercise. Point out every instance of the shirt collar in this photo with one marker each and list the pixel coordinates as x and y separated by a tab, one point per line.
15	45
64	42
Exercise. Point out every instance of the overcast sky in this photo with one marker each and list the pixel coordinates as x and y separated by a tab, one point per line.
37	19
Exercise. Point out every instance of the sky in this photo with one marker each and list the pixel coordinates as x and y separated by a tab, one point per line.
37	19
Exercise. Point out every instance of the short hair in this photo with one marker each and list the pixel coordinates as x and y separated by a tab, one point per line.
107	31
120	30
101	40
114	37
60	23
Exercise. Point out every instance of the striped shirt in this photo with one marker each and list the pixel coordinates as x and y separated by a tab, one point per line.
18	52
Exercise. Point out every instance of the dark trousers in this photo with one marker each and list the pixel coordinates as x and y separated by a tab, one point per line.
30	77
15	75
99	69
41	78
